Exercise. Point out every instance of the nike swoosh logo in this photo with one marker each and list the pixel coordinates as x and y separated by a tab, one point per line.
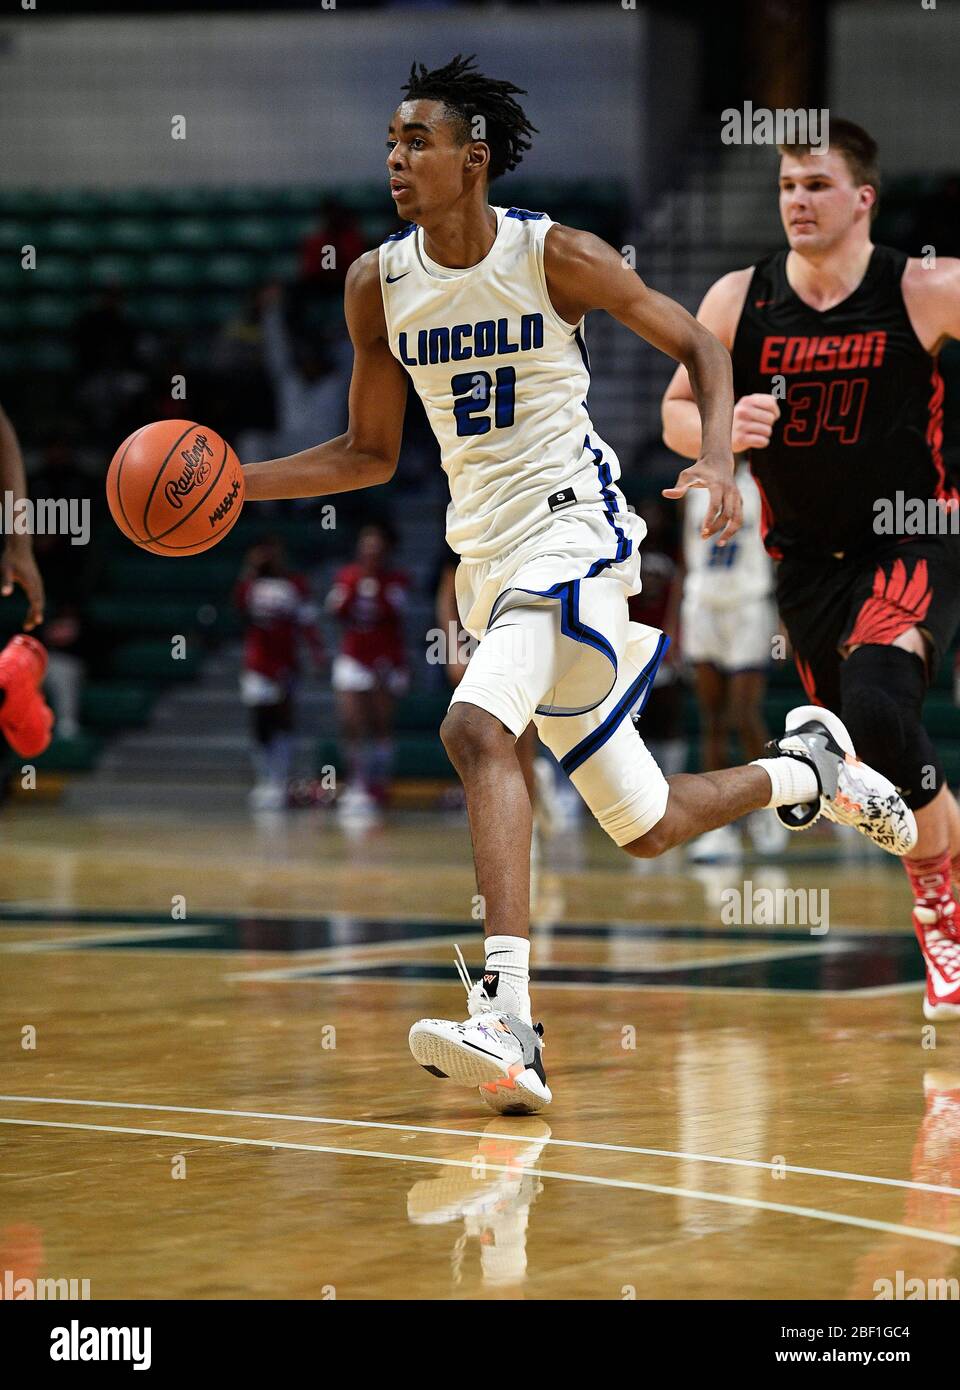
941	985
392	279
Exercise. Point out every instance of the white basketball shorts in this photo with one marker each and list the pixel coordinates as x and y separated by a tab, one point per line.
556	645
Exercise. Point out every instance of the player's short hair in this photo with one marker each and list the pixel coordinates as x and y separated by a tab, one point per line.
467	94
859	150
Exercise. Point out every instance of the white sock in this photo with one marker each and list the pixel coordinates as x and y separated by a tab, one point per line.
510	955
792	782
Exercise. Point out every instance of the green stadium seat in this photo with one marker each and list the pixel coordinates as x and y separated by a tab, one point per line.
49	312
113	269
130	202
11	357
249	233
49	356
185	200
298	198
12	274
11	315
15	234
173	269
281	266
152	661
111	705
75	234
140	235
240	199
423	710
73	202
207	574
192	234
166	312
217	307
133	614
232	269
21	202
362	198
294	229
56	273
77	754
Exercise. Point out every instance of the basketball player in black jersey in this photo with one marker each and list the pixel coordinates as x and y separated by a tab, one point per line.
840	406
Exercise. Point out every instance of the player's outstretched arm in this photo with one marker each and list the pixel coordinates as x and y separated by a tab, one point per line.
17	564
367	453
585	273
719	312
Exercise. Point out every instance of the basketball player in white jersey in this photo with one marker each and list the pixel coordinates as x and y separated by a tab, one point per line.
728	619
482	307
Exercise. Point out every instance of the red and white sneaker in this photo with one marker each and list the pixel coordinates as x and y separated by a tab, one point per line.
26	720
937	925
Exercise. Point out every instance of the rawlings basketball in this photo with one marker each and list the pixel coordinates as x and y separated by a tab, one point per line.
175	487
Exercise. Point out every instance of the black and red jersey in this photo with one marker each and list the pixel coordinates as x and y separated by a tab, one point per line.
861	404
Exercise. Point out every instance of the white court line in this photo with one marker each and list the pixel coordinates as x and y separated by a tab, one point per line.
318	973
101	938
694	1194
482	1134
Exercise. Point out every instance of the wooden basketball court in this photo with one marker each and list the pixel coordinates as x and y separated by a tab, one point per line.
206	1091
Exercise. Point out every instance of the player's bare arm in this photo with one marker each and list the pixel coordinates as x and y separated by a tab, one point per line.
17	565
753	416
584	273
932	297
367	453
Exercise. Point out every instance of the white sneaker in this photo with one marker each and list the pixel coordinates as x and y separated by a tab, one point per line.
268	796
494	1050
720	846
355	805
767	834
851	793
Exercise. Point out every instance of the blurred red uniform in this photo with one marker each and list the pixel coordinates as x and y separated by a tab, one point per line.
279	612
370	608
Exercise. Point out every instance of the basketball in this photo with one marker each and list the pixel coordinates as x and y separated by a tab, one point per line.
175	487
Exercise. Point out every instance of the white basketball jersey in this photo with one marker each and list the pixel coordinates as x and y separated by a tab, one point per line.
503	380
725	576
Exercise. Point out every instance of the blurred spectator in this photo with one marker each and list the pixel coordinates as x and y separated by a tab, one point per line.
309	385
325	257
110	374
370	670
241	390
328	253
276	606
103	335
729	620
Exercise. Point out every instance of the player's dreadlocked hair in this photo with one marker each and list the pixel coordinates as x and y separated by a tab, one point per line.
467	94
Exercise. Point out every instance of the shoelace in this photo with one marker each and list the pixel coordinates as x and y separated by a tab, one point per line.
464	973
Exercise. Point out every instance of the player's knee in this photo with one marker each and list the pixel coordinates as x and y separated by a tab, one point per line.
883	689
878	686
652	843
472	736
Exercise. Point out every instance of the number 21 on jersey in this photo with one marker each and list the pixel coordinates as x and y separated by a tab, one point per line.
471	399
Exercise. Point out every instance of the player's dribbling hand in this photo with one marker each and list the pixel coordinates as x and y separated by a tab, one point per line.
753	420
17	566
725	509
